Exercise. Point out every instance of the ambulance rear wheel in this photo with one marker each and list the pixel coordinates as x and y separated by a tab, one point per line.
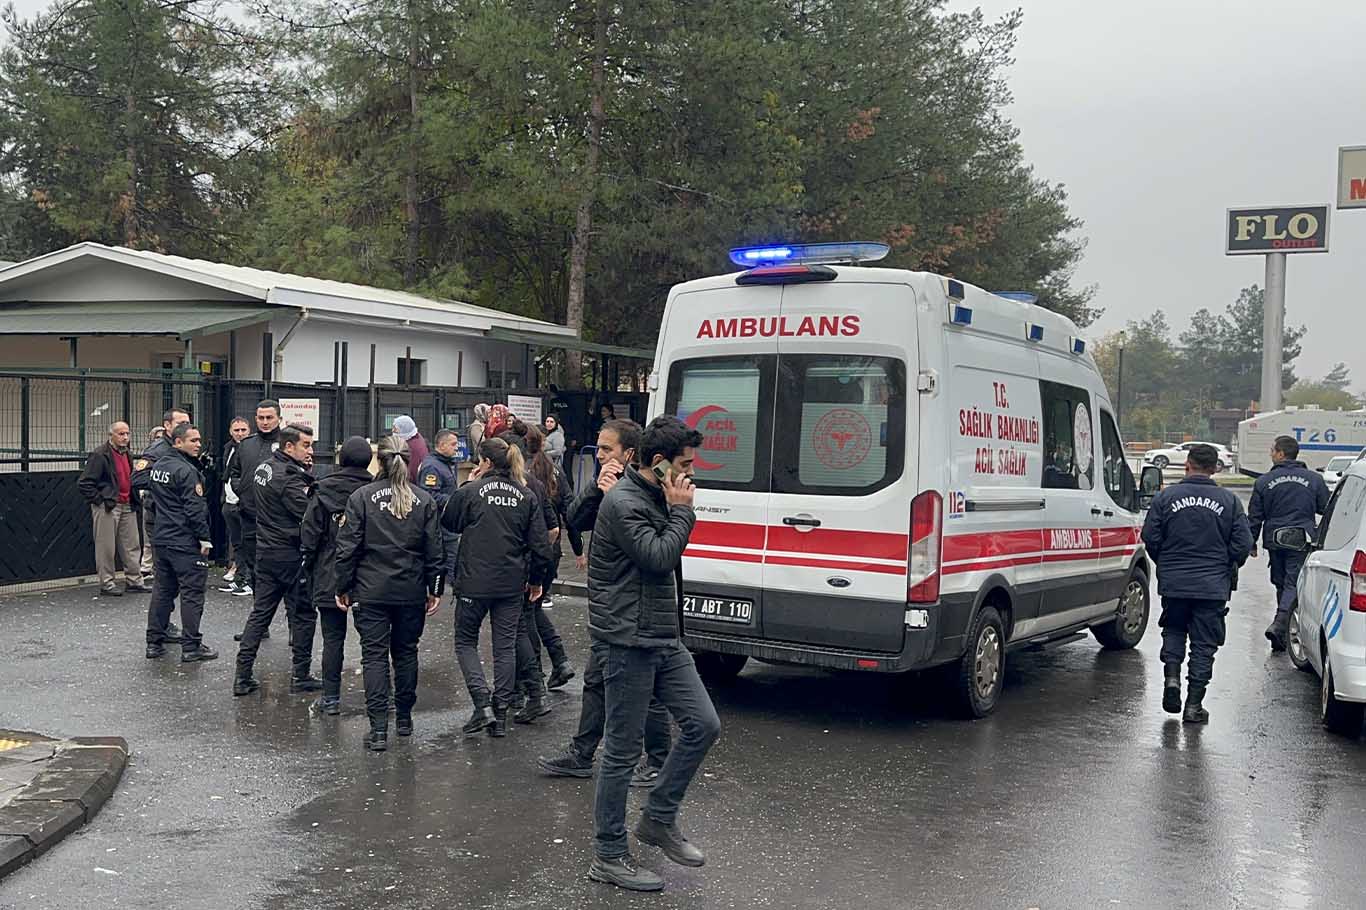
719	668
980	673
1131	618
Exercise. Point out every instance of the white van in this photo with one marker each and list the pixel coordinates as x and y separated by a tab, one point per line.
899	471
1322	435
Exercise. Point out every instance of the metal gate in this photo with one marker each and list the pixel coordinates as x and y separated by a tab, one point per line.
45	528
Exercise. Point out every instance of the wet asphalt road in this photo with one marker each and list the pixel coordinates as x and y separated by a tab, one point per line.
825	790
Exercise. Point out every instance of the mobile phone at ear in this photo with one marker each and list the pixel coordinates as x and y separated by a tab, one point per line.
662	470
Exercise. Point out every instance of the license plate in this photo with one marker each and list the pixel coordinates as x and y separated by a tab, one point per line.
718	609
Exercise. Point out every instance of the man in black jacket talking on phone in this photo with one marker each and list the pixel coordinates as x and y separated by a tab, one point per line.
635	619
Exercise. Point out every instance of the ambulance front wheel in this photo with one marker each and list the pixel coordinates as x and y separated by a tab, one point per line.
719	668
1131	618
980	673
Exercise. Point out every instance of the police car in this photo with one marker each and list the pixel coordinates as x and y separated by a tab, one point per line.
1327	631
898	471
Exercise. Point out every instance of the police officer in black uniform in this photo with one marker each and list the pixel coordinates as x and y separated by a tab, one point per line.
140	484
182	546
1287	496
252	451
388	567
318	538
282	487
438	475
503	545
1198	535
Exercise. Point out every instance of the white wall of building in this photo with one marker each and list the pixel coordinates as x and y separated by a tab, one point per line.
451	360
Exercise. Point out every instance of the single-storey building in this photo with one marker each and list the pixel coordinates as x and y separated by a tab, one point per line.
103	307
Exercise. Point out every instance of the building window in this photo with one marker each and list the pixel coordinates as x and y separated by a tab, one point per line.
411	372
502	379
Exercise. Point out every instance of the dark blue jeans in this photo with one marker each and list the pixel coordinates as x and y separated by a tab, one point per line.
632	677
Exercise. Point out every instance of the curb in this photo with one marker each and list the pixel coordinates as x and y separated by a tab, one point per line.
75	783
569	590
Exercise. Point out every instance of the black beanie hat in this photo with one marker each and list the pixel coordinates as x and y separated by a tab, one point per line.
355	453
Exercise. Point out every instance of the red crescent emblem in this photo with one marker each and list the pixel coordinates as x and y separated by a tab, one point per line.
693	420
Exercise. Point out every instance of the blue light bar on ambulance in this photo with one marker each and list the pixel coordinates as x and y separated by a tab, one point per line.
756	256
961	315
1018	296
1078	346
1033	331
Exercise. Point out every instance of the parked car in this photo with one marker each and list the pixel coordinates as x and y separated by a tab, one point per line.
1336	467
1176	455
1327	629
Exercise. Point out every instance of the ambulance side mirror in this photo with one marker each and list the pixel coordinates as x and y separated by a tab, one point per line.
1296	539
1148	485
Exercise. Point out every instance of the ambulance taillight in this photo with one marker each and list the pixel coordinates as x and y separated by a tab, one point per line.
922	580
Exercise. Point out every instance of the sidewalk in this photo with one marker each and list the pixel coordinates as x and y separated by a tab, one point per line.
51	787
572	581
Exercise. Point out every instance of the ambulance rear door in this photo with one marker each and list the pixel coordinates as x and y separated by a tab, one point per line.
718	373
835	564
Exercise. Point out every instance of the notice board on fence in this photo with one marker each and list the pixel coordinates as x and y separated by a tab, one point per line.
303	411
525	407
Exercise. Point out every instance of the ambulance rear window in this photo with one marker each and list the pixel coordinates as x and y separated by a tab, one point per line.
840	427
729	401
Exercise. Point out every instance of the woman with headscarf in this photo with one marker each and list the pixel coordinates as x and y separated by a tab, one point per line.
388	565
318	541
499	422
475	431
503	547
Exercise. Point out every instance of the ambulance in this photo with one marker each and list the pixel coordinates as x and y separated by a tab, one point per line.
898	471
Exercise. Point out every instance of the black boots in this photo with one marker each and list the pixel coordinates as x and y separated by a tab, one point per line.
203	652
1195	712
244	685
534	707
377	741
478	720
404	724
1275	633
623	872
559	676
1171	689
499	726
305	683
329	705
155	651
669	839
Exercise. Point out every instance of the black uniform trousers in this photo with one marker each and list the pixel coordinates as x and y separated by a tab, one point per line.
504	617
530	676
1285	575
389	633
1202	621
246	562
593	717
333	624
183	573
276	579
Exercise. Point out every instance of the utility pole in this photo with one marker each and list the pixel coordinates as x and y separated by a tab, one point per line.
1273	331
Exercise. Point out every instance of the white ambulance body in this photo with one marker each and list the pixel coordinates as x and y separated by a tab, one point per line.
898	471
1322	435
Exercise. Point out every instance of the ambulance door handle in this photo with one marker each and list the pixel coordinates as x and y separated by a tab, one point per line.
1109	514
1095	511
801	521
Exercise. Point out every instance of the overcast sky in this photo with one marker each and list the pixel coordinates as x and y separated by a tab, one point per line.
1159	115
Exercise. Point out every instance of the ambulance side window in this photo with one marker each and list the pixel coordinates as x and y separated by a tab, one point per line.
841	424
1068	449
1115	471
729	400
